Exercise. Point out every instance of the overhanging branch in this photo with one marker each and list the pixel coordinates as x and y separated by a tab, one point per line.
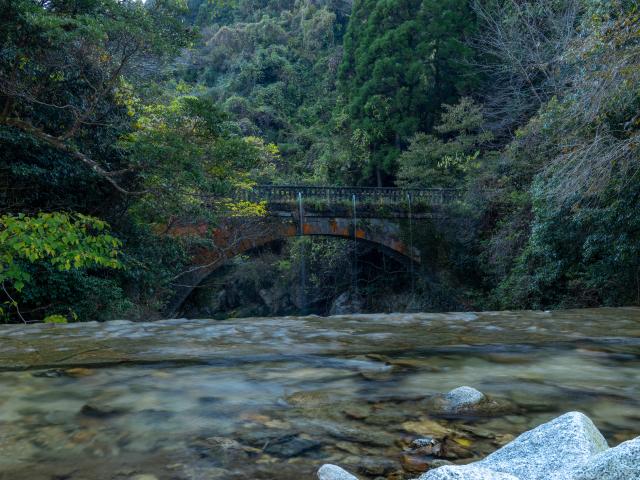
62	146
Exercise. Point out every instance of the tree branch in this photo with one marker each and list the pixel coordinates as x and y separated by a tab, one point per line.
60	145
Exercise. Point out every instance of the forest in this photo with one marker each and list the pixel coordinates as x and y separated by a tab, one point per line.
117	116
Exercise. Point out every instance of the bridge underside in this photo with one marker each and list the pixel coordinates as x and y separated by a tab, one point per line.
241	235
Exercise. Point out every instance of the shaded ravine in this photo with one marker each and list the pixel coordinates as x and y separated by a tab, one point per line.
276	397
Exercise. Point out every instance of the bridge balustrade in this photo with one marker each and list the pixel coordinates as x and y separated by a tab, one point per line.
386	195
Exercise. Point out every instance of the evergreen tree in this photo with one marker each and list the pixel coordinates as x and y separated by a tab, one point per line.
402	60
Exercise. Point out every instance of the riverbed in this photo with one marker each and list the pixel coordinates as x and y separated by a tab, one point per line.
274	398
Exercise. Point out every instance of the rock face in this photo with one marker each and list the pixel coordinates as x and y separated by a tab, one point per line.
551	451
345	303
619	463
465	472
333	472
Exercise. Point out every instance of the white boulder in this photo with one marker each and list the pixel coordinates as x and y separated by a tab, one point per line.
552	451
619	463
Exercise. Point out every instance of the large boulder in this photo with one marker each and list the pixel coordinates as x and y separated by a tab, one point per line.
619	463
569	447
465	472
554	450
333	472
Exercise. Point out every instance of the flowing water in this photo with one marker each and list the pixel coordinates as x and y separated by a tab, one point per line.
273	398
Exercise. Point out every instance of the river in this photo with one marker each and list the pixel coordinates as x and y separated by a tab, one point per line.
274	398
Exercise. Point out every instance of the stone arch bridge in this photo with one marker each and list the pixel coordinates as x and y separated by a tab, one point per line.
379	216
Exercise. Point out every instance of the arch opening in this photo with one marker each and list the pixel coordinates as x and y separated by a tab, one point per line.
239	236
310	274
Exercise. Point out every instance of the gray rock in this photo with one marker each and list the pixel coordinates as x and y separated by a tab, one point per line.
345	303
266	296
619	463
463	397
467	401
423	442
552	451
465	472
426	446
333	472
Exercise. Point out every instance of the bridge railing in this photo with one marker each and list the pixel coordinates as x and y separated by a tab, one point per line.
387	195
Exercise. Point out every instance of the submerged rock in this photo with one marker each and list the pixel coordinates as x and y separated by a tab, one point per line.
619	463
455	448
419	463
376	466
220	449
291	446
415	463
333	472
100	411
465	472
427	427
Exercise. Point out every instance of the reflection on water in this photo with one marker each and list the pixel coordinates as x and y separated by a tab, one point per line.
275	398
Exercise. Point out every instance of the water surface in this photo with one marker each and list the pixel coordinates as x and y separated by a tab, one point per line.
273	398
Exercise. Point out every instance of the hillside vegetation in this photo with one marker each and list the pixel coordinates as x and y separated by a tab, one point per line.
117	116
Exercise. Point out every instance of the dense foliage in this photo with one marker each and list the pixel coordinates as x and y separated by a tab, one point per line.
119	116
93	129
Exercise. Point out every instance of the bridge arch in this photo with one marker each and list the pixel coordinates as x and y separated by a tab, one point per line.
315	211
237	237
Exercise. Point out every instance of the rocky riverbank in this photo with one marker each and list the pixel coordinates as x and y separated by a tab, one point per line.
570	447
